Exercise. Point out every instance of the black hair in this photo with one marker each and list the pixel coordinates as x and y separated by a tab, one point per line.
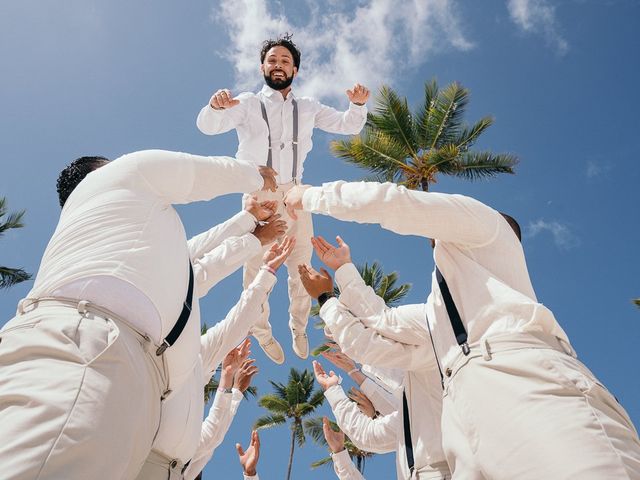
74	173
515	226
283	41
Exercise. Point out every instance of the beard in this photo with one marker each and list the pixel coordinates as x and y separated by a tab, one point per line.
278	84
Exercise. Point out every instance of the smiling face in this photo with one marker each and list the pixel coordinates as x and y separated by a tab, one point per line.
278	68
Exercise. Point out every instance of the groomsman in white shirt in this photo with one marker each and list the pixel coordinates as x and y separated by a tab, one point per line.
274	128
517	403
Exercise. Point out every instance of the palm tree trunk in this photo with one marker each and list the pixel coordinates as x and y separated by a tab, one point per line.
359	463
424	183
293	444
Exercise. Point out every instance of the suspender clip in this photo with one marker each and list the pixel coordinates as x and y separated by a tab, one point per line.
465	349
162	347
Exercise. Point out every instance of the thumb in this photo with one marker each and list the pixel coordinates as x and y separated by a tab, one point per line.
239	449
233	102
340	241
325	273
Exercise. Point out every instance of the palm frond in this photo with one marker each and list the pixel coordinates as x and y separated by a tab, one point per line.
280	389
299	434
374	150
269	421
468	135
447	114
322	462
12	276
423	119
637	302
317	399
318	350
313	427
393	118
274	404
14	220
478	165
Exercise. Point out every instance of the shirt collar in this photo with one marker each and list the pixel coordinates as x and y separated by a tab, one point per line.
269	92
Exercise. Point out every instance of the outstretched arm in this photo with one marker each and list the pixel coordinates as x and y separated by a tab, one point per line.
451	218
223	113
349	122
342	464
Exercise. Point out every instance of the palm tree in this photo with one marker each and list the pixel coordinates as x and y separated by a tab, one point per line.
413	148
384	285
637	302
314	429
293	401
10	276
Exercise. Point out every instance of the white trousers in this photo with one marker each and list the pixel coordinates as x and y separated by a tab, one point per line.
299	300
523	407
79	396
160	467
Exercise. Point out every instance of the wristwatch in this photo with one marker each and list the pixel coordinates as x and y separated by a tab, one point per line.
324	297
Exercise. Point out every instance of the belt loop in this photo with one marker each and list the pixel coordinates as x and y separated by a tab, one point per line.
82	307
486	349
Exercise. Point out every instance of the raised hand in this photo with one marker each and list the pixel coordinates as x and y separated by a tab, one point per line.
269	178
223	99
315	283
334	439
364	404
260	210
278	253
249	458
272	228
332	257
340	360
359	94
293	200
245	374
324	380
236	357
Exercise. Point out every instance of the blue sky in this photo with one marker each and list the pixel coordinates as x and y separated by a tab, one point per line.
561	78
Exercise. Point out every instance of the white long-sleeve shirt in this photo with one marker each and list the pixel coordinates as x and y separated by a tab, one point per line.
214	429
344	467
119	224
182	434
360	340
475	249
246	118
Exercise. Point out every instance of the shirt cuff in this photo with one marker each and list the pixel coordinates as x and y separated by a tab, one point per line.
359	108
311	198
327	305
345	274
246	221
341	459
222	400
265	279
334	395
252	477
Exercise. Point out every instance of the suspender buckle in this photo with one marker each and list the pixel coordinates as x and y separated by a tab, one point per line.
162	347
465	348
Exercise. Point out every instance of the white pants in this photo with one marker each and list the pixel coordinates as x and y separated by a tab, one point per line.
299	300
160	467
523	407
79	396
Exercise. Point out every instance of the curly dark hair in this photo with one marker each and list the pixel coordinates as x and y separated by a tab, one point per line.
74	173
283	41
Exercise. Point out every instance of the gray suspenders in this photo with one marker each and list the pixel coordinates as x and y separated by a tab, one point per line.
294	172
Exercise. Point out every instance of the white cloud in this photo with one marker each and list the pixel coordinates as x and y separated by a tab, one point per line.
597	169
563	237
538	16
373	43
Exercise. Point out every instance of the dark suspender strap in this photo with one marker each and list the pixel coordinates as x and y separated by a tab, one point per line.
264	115
454	317
182	319
294	173
408	443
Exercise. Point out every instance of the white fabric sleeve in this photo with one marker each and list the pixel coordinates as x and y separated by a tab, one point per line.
241	223
212	122
344	467
228	333
366	345
382	400
451	218
183	178
375	435
214	428
251	477
223	260
406	323
349	122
